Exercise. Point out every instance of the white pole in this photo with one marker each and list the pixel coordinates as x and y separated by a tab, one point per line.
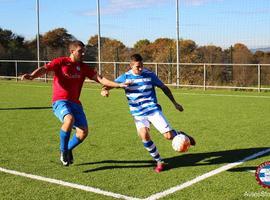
99	50
16	70
177	45
204	77
259	78
37	13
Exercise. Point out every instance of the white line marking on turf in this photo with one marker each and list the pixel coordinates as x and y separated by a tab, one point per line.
204	176
183	93
67	184
227	95
120	196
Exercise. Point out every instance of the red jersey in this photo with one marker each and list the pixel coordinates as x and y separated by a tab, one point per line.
68	78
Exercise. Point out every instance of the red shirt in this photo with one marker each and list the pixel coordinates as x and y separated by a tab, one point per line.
68	78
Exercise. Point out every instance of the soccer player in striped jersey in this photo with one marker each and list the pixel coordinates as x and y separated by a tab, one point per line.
69	75
144	107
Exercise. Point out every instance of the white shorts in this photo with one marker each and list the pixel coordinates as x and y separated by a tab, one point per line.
156	118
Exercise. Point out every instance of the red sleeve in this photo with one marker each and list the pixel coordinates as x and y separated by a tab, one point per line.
54	64
89	72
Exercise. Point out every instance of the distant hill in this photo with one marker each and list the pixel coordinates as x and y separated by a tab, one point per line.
267	49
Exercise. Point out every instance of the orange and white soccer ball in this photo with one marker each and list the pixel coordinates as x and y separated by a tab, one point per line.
181	143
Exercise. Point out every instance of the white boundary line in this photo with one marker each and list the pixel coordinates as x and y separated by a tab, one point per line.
67	184
183	93
226	95
152	197
204	176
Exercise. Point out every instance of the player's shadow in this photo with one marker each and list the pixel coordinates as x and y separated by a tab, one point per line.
27	108
243	169
183	160
214	158
118	164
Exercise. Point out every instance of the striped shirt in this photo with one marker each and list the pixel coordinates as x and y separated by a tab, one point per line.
141	93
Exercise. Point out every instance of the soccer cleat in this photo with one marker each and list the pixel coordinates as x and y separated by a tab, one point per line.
64	158
160	166
70	157
192	140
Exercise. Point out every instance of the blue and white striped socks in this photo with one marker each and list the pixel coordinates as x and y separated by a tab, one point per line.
152	149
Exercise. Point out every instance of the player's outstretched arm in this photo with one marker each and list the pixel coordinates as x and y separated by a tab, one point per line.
108	83
169	94
36	73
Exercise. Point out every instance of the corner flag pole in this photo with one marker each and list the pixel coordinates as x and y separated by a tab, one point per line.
99	50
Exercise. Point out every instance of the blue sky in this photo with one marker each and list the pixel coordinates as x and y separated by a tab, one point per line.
217	22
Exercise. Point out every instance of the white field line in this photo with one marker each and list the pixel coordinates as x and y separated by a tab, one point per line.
204	176
178	93
152	197
67	184
227	95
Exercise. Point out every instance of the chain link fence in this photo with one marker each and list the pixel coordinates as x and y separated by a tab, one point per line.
201	75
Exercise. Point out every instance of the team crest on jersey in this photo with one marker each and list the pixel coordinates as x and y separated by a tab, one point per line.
78	68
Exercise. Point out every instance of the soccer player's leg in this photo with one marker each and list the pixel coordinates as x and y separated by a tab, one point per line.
142	126
163	126
78	137
63	112
81	127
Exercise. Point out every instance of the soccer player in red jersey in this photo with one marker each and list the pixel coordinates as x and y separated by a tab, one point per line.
69	75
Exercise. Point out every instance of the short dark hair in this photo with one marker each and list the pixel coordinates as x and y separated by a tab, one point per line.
136	57
75	43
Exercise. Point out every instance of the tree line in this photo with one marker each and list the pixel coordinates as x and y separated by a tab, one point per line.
163	50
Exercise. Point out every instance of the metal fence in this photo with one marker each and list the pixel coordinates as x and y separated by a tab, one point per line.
199	75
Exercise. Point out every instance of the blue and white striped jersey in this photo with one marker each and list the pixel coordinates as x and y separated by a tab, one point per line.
141	93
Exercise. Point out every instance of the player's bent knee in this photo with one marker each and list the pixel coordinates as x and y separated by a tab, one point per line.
68	123
146	137
144	134
82	133
69	120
